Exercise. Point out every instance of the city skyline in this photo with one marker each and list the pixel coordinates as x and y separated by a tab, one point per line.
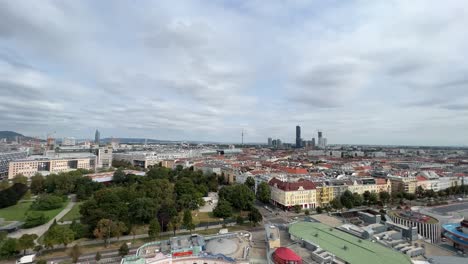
386	73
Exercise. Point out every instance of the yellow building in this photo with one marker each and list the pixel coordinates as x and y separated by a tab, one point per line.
324	195
288	194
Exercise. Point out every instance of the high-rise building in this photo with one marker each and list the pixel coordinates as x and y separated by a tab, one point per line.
313	142
322	142
270	141
97	137
298	137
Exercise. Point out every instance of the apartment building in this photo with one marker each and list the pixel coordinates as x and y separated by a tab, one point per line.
288	194
403	184
372	185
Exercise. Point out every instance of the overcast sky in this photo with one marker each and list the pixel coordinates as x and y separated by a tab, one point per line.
364	72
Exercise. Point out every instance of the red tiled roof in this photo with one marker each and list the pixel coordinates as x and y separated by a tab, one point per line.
380	181
294	170
292	186
420	178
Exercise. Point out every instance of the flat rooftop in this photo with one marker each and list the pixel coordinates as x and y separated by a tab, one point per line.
364	252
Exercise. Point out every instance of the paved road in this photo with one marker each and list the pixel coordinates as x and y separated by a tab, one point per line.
107	256
458	207
40	230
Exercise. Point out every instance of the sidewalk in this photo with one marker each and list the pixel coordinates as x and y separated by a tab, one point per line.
40	230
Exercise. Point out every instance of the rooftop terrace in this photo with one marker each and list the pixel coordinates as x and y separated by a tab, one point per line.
345	246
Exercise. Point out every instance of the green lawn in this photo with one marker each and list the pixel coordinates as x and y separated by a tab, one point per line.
15	212
74	213
18	212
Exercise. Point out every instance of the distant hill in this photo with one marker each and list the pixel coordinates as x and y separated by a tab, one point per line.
136	140
153	141
10	135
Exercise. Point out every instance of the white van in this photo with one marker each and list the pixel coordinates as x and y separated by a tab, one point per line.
26	259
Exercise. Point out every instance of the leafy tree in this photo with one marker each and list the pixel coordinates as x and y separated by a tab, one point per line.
307	212
336	203
187	220
107	228
319	210
98	257
47	202
142	210
357	199
74	253
37	184
366	196
297	208
373	198
105	204
123	250
20	178
174	223
12	195
154	229
4	184
250	182
384	197
255	216
58	234
239	195
78	229
420	191
188	196
223	209
26	241
86	187
63	183
8	248
34	219
263	192
347	199
119	176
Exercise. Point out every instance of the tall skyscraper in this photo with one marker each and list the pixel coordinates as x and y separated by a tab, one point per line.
97	137
298	137
270	141
313	142
322	142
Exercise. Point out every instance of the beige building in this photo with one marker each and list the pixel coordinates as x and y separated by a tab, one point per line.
29	167
288	194
403	184
372	185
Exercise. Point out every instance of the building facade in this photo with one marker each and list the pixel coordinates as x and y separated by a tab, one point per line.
6	158
29	167
288	194
403	184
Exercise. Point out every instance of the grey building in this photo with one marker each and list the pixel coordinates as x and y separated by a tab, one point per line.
298	137
97	137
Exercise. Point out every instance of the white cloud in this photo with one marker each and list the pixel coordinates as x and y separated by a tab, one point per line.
364	72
